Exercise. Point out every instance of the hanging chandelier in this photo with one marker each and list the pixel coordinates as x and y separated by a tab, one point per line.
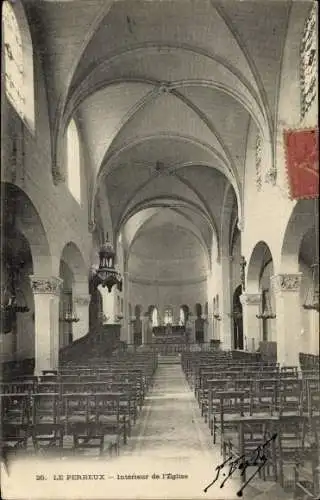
70	317
9	304
267	312
9	301
107	275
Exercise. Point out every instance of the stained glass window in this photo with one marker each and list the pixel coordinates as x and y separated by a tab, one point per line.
13	59
73	161
308	62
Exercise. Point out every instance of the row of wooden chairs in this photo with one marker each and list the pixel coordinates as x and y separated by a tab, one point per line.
95	405
246	405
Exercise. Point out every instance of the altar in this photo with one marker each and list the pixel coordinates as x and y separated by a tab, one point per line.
169	334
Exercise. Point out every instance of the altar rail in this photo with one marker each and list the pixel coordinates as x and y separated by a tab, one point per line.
170	348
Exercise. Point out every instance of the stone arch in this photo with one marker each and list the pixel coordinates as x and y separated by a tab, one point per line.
303	217
20	214
260	257
74	273
73	258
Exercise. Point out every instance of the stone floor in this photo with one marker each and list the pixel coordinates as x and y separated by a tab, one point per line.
171	431
170	437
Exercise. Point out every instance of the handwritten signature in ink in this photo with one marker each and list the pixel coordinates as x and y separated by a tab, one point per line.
258	458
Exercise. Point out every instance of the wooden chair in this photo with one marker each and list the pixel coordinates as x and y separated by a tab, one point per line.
264	396
111	419
15	420
78	421
293	450
213	407
231	405
47	428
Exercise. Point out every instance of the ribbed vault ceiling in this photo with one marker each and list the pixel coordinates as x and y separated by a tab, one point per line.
164	93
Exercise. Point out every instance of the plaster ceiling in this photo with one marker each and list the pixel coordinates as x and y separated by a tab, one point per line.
151	258
163	83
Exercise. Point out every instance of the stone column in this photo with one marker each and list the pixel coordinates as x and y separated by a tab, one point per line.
192	334
252	331
131	321
314	332
145	328
81	305
205	328
46	308
225	307
288	320
126	317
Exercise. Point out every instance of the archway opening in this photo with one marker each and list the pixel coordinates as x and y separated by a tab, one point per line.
17	303
260	270
73	272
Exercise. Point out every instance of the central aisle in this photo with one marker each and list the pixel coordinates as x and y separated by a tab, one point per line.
171	437
171	427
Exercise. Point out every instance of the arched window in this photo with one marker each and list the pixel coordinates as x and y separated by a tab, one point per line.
168	316
308	69
155	317
182	319
73	161
13	60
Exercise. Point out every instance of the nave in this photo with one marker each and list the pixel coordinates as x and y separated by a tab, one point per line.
179	416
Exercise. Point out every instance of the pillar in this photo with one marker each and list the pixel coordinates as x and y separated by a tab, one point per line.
314	332
131	322
192	330
286	289
126	318
205	329
145	328
252	331
210	319
225	304
46	308
81	305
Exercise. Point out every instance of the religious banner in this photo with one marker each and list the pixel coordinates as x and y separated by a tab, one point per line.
302	162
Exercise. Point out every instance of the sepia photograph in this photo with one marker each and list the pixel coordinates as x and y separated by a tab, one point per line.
159	334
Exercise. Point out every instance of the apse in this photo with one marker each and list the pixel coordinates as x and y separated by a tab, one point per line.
167	267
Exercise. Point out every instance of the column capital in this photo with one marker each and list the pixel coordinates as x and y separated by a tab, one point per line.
46	285
286	282
82	300
250	299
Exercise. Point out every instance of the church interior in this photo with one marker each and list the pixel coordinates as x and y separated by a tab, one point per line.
159	223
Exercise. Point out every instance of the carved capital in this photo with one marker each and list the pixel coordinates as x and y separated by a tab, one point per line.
286	282
51	285
250	299
82	300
